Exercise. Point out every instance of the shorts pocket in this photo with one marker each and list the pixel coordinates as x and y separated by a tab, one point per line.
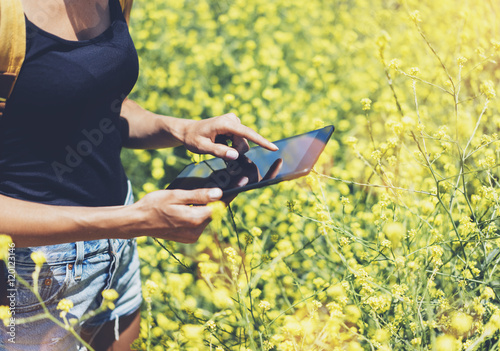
52	282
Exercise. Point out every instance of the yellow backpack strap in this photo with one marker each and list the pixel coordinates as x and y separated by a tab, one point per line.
12	45
126	8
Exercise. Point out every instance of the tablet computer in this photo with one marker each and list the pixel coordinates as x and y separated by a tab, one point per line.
258	167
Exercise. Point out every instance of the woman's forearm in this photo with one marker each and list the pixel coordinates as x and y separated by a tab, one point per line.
148	130
32	224
166	214
151	131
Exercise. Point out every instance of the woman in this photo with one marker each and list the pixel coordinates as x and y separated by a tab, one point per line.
62	186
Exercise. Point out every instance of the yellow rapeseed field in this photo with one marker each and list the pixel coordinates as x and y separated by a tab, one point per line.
393	242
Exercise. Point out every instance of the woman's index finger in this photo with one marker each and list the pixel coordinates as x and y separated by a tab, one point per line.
250	134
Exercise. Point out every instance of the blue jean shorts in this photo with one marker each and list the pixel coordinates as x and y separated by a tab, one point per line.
78	272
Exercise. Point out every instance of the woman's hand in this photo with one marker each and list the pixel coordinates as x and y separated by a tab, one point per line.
177	215
199	137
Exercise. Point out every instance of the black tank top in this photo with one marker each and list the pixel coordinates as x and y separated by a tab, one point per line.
61	133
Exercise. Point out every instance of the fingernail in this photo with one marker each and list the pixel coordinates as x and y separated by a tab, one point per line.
232	154
274	145
215	193
243	181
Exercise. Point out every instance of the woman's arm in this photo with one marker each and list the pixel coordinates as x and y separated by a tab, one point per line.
148	130
166	214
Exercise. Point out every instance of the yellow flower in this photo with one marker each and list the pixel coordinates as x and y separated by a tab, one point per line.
5	314
367	103
218	210
382	40
461	60
292	326
493	324
436	251
231	253
110	294
208	269
312	181
379	303
211	325
354	346
318	123
287	345
461	322
399	290
394	231
151	287
323	216
415	17
352	313
316	305
192	331
416	341
488	293
265	305
395	63
5	245
255	231
400	261
165	323
386	244
377	155
344	241
351	141
158	173
229	98
64	305
157	163
381	336
38	257
149	187
488	89
446	343
414	71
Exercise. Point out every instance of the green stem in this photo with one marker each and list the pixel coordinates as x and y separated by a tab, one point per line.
46	313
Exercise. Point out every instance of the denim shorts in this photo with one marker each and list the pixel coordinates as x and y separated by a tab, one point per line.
78	272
